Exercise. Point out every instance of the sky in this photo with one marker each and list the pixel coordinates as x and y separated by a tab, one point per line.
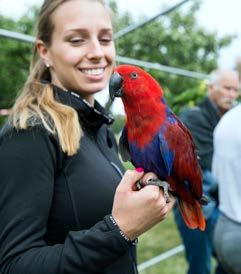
220	16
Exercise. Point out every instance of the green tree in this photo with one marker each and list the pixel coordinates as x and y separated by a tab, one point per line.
14	57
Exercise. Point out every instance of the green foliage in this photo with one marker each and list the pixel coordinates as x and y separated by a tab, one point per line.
15	57
189	97
2	119
118	124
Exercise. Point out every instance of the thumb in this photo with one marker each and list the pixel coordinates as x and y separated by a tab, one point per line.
130	178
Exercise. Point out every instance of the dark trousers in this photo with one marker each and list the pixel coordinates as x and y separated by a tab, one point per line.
198	245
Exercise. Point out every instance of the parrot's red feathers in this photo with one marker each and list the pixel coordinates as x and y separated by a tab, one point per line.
192	215
185	165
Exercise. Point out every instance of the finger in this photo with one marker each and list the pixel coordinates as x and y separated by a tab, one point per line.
165	207
148	176
151	193
164	212
173	200
130	178
151	188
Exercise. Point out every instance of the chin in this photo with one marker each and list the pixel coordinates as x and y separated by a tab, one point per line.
97	87
89	91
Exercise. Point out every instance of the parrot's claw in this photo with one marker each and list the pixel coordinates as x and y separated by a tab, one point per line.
163	184
138	185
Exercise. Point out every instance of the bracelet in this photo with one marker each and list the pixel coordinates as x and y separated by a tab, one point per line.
129	241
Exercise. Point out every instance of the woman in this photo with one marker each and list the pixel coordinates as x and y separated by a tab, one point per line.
64	206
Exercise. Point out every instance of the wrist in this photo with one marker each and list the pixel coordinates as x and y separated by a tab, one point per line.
132	241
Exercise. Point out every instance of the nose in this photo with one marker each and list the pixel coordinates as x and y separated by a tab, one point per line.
95	50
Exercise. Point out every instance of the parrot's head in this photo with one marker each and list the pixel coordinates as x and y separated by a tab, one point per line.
131	82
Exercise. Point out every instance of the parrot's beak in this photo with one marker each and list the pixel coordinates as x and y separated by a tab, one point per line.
115	86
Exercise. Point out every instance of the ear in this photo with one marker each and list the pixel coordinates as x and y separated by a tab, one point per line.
43	52
211	89
214	92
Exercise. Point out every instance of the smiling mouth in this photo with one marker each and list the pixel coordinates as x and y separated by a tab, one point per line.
97	71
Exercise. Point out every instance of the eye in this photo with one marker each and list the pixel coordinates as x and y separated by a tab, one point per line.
105	41
76	41
134	75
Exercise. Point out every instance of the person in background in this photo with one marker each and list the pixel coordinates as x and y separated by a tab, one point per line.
65	206
201	120
226	170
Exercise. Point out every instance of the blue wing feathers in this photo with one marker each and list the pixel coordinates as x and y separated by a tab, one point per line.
155	157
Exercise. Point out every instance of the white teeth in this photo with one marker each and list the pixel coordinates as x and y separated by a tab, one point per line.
93	71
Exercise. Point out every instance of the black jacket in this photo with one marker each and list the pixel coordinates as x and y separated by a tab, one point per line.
201	121
54	209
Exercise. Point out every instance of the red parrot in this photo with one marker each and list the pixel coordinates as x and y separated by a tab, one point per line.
155	139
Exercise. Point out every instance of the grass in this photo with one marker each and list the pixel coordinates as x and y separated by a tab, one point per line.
157	240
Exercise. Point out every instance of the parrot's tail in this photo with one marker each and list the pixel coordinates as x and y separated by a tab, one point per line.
192	214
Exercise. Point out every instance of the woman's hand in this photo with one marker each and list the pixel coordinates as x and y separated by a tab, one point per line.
137	211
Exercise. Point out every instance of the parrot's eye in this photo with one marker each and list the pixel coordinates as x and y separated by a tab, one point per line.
134	75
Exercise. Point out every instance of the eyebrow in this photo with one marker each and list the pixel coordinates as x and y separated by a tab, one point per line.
104	30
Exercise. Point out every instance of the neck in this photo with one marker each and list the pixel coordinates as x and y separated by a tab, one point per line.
219	110
90	99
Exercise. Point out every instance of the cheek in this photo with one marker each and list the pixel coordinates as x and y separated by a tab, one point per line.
221	94
219	98
235	95
111	53
66	55
70	57
110	56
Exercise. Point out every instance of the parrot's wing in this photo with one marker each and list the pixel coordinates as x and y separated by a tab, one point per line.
185	164
166	154
124	146
186	130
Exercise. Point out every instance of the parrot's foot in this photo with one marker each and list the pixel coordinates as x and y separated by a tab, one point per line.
163	184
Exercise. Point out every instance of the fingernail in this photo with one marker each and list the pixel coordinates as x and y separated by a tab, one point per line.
139	169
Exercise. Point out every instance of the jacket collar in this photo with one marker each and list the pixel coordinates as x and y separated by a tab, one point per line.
89	116
211	107
210	111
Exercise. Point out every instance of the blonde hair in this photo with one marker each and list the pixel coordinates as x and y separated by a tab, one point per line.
36	103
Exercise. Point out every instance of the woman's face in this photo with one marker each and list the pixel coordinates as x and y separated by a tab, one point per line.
82	53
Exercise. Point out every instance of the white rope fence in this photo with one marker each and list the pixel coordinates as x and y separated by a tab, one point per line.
163	256
157	66
17	36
